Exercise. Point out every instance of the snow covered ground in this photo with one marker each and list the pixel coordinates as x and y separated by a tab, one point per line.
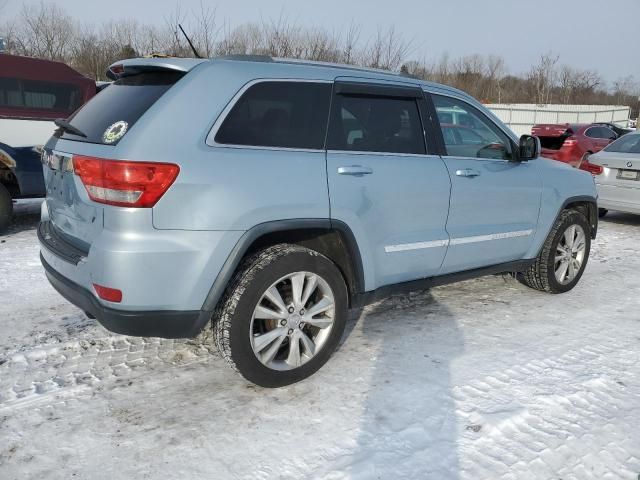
484	379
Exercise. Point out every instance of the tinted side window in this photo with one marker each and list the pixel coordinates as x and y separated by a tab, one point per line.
468	132
600	132
591	132
34	95
279	114
376	124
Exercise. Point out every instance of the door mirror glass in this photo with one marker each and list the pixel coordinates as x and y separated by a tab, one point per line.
529	147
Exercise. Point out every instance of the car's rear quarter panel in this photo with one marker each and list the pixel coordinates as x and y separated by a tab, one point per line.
221	187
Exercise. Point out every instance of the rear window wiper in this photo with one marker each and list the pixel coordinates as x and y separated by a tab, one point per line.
67	127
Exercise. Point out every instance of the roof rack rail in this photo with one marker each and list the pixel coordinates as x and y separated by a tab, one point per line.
410	75
246	58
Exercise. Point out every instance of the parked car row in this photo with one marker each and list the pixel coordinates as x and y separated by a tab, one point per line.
607	151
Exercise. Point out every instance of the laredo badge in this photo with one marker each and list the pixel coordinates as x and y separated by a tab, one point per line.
115	132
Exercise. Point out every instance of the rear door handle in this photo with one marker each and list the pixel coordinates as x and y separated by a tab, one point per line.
355	170
467	172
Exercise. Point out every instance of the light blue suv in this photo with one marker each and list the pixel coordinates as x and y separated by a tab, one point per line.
273	195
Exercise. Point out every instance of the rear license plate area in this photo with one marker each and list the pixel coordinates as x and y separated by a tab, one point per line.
628	175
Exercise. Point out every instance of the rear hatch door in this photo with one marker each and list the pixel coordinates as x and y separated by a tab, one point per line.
73	215
95	131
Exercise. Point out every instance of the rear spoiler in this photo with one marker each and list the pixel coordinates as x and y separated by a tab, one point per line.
551	130
134	66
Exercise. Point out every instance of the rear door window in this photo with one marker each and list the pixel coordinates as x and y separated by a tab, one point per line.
279	114
125	100
600	132
376	124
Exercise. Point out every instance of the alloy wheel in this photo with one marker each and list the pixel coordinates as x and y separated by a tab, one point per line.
570	254
292	320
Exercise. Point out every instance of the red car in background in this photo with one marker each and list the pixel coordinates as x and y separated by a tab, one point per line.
573	143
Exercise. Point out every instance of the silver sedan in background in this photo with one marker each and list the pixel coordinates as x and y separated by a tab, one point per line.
619	183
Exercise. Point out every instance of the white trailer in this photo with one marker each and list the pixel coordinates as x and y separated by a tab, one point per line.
520	117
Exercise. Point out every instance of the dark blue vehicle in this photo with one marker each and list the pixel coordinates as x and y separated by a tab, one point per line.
33	93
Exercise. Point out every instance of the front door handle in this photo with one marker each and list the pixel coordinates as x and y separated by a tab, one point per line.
355	170
467	172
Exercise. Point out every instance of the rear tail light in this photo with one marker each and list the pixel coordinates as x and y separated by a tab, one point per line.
124	183
108	294
591	168
570	142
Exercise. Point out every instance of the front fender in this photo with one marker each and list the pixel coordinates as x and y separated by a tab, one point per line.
562	186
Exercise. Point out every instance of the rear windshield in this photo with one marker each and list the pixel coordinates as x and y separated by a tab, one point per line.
36	99
629	143
110	114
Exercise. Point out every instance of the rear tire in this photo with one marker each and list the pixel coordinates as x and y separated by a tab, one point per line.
567	245
602	212
6	208
265	283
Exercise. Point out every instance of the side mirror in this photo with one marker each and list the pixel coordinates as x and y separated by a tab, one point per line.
529	148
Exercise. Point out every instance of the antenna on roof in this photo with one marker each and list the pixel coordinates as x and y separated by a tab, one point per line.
195	52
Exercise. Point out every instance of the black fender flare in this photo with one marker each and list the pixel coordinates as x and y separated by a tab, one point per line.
593	211
250	236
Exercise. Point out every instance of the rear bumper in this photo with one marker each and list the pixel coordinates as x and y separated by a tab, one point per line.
619	198
163	323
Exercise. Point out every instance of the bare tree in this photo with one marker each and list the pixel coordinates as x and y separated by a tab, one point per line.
244	40
44	31
387	50
175	43
352	37
206	30
495	71
626	90
543	77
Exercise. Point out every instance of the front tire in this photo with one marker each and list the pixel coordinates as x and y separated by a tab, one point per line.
6	208
282	315
563	257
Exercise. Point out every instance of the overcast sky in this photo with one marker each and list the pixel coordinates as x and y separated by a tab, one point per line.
588	34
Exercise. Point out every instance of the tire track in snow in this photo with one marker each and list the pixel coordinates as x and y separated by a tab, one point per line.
554	428
52	373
